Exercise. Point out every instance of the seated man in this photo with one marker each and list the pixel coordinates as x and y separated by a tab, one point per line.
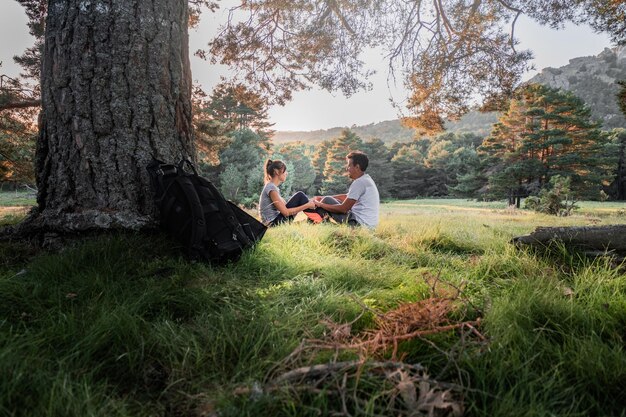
360	206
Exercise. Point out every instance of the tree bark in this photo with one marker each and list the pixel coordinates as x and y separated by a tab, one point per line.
116	91
589	238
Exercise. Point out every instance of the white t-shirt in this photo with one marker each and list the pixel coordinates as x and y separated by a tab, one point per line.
366	208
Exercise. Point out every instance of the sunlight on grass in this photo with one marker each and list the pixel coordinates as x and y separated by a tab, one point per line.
12	214
124	326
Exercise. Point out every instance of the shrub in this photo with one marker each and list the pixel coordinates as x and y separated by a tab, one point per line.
556	200
532	203
603	196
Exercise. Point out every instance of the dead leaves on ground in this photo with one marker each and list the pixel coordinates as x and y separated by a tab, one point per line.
396	388
407	321
357	387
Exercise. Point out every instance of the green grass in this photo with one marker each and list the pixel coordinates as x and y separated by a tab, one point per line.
17	198
121	325
14	206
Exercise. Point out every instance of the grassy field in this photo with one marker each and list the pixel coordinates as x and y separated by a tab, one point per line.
435	311
17	198
14	205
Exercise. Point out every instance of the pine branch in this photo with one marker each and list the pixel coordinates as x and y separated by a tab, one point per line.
11	105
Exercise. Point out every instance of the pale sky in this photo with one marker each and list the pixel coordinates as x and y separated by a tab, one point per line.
315	109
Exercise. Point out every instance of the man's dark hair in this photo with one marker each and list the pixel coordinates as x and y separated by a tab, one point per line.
360	159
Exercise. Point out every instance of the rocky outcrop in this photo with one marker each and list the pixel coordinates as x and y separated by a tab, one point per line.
592	78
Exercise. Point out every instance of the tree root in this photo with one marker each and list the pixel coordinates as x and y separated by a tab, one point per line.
54	231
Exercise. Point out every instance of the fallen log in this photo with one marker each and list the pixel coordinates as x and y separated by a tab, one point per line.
609	239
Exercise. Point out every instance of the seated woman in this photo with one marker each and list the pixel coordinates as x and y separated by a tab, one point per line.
273	210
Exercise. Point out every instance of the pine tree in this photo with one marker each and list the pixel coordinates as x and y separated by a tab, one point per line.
545	132
436	161
236	106
114	94
17	146
319	162
302	173
211	135
449	156
617	149
241	179
379	165
409	172
336	180
466	166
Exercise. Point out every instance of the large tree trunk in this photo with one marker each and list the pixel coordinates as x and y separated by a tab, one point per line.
116	91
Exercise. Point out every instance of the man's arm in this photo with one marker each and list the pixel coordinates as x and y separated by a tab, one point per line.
344	207
338	197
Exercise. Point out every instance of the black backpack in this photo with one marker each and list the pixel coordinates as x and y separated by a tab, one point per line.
195	213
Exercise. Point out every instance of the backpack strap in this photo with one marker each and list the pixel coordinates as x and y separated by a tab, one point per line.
170	176
186	162
163	172
198	230
159	171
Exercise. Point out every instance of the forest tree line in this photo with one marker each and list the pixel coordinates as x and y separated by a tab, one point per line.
543	133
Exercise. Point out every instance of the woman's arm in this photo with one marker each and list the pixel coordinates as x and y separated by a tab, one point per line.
344	207
279	203
339	197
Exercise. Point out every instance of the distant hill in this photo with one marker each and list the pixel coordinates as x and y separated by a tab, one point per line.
591	78
473	122
388	131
